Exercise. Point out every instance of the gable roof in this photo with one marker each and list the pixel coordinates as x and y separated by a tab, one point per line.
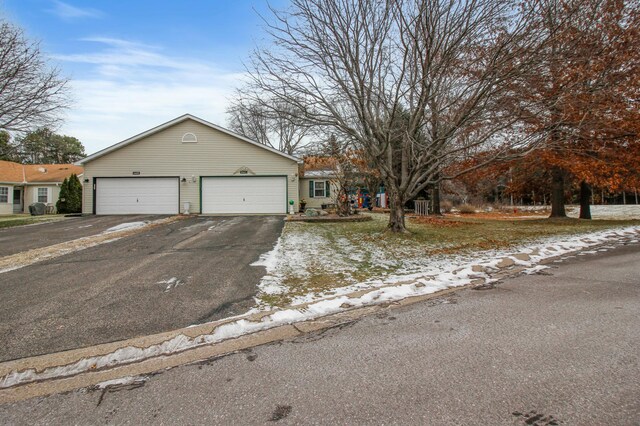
174	122
11	172
50	172
41	173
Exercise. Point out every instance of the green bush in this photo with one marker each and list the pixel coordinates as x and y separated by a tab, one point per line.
70	199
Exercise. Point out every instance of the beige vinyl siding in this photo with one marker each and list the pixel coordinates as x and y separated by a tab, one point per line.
317	202
164	154
31	194
7	208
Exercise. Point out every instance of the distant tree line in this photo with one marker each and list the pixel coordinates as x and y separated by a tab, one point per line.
41	146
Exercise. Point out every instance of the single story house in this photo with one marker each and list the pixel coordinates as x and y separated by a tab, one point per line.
25	184
320	185
318	188
189	165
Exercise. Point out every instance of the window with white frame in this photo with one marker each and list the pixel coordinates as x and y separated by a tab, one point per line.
43	195
319	189
4	194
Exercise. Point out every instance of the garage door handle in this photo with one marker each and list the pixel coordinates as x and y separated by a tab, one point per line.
244	199
137	201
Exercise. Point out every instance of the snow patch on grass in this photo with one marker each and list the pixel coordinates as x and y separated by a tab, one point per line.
609	212
302	252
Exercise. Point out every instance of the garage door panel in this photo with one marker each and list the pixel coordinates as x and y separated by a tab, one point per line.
137	195
244	195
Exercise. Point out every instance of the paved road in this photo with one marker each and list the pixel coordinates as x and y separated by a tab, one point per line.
172	276
21	238
537	350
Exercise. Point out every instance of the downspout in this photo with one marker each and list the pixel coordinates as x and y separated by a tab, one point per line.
24	189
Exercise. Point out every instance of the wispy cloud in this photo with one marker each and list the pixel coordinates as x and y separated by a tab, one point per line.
68	12
125	53
133	86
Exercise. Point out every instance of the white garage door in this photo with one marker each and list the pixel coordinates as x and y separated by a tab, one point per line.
137	195
244	194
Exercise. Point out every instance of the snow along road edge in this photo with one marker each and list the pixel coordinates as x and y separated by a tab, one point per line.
102	357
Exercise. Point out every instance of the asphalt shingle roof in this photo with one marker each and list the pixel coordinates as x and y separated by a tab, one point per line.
11	172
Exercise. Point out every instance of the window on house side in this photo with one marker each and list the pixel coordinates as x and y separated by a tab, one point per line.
319	187
43	195
4	194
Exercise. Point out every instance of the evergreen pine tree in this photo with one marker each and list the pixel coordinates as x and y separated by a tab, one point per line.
62	203
74	204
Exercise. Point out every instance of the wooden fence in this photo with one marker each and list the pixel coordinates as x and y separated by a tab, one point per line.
422	207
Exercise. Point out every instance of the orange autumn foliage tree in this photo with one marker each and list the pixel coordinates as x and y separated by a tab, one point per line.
590	89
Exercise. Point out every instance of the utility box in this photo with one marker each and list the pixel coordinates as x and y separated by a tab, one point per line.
37	209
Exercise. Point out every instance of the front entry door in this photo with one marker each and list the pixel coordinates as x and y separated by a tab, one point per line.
17	201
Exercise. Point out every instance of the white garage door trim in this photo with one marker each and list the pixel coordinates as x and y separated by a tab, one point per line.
243	194
137	195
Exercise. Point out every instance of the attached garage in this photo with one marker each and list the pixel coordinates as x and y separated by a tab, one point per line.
189	161
244	195
137	195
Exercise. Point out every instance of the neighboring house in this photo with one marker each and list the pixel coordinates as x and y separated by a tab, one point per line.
25	184
318	188
320	185
189	160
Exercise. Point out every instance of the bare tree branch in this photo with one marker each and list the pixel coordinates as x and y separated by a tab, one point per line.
417	85
31	93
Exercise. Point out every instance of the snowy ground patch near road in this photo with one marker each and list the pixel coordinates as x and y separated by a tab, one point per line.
629	211
406	277
353	265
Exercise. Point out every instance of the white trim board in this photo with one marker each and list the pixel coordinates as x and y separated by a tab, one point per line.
172	123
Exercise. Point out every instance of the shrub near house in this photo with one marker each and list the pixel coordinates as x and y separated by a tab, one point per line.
70	200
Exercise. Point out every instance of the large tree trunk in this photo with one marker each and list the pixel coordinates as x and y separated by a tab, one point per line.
435	200
557	193
396	214
342	204
585	205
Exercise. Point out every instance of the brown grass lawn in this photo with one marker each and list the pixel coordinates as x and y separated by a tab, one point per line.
323	256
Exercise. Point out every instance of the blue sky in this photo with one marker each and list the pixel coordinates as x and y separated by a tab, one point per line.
134	64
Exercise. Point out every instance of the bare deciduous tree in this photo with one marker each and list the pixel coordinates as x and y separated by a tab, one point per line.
275	124
417	85
31	93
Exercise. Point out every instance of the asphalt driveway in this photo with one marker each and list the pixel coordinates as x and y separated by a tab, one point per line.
535	350
23	238
171	276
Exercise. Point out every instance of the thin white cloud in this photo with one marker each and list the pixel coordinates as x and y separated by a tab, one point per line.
68	12
132	87
126	53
